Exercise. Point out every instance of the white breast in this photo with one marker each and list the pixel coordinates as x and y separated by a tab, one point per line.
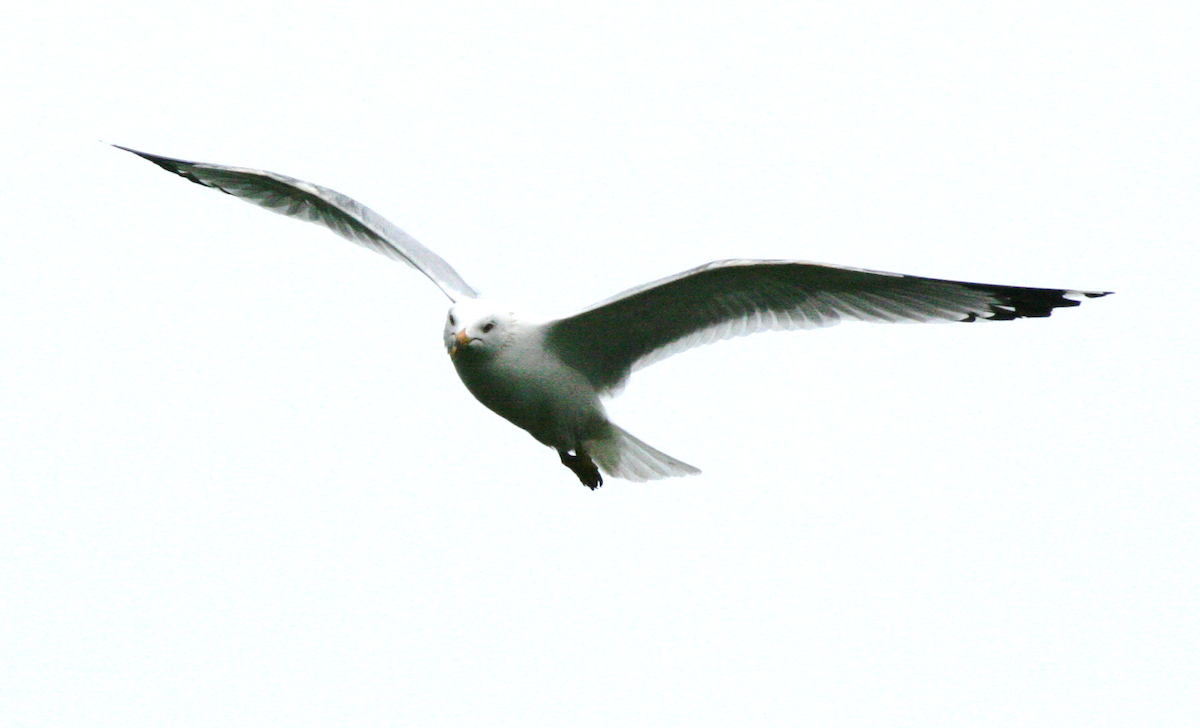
534	390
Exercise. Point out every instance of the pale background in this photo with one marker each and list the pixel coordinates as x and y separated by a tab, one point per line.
242	486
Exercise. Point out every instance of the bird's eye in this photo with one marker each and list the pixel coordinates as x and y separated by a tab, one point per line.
489	326
452	321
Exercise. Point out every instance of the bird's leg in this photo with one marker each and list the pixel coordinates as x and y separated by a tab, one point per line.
581	464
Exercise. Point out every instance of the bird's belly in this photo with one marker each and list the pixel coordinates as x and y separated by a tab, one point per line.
555	405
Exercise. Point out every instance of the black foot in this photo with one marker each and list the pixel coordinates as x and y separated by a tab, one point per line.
581	464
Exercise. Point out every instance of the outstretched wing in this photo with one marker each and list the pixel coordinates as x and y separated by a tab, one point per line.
730	298
344	216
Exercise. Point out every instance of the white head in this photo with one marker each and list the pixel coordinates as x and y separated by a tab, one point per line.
475	328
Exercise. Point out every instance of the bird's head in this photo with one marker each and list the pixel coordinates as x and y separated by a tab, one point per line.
476	328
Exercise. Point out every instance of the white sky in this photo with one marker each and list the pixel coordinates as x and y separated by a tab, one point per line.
242	485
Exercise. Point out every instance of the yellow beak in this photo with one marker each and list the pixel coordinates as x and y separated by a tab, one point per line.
461	340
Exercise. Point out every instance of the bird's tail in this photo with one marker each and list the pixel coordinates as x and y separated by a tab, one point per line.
622	455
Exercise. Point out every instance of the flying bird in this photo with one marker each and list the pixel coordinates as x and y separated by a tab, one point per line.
548	377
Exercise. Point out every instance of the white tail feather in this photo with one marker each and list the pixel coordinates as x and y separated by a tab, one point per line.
621	455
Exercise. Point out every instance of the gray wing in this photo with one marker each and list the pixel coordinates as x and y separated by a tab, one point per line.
729	298
344	216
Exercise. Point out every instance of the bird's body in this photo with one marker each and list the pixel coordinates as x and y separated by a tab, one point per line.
505	363
523	382
548	377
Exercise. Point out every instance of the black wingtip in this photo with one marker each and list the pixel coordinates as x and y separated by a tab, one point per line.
143	155
1015	303
164	162
174	166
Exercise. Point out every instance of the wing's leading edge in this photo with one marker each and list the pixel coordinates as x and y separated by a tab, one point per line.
729	298
303	200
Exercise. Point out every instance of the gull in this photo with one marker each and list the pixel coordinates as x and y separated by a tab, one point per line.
549	377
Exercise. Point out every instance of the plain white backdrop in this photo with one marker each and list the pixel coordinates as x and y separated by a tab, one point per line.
241	485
